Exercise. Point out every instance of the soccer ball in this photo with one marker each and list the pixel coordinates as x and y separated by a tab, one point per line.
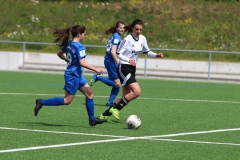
133	122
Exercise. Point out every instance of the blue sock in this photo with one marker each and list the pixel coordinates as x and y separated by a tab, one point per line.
90	108
113	95
53	101
107	81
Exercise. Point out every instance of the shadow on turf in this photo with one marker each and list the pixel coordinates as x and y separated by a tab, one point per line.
45	124
95	104
62	125
53	125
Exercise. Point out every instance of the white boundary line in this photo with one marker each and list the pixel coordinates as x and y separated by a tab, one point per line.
143	98
194	133
65	145
57	132
119	138
200	142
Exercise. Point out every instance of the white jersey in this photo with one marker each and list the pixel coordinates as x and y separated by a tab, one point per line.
131	48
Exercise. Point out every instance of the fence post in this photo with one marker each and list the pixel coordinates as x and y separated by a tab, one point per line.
145	67
209	64
24	49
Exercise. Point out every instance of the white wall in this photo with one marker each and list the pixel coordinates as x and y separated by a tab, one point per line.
13	60
10	60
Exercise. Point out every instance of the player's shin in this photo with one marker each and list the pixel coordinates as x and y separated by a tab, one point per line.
90	108
123	102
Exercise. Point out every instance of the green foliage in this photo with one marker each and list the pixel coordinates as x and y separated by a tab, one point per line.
184	24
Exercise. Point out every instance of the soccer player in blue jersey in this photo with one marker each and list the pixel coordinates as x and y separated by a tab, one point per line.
74	80
111	62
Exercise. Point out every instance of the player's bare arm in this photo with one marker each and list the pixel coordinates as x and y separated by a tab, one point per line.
84	64
114	54
61	55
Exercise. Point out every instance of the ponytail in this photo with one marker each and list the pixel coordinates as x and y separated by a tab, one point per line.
114	29
63	35
111	30
128	28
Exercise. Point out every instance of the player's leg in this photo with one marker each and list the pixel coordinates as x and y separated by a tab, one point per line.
55	101
112	69
135	91
108	81
113	94
110	65
114	110
87	91
131	89
71	86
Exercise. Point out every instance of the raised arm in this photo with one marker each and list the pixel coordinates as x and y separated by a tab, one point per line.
150	53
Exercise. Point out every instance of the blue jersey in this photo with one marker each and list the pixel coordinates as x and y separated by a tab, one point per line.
115	39
75	51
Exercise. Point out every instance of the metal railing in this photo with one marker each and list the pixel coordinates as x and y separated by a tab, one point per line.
145	65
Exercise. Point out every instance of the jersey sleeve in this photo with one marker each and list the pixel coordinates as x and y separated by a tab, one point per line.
145	46
115	40
81	53
122	47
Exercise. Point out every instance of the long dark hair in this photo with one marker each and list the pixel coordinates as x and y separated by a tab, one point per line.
114	28
129	27
62	35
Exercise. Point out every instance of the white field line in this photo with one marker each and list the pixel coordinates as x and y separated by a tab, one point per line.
57	132
200	142
193	133
120	138
143	98
191	100
65	145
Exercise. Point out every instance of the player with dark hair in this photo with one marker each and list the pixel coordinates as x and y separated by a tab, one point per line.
111	62
74	80
128	53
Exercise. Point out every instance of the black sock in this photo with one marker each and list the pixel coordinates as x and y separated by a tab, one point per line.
123	102
107	113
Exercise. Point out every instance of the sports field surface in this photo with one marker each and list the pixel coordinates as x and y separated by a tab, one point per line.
180	120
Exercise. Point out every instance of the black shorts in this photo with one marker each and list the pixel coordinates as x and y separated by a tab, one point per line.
126	74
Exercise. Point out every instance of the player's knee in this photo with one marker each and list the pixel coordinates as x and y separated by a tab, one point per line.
67	102
89	95
137	93
117	85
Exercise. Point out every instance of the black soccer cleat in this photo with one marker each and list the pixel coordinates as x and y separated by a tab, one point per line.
96	121
38	106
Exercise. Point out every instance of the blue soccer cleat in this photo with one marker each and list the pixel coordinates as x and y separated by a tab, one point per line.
108	104
94	79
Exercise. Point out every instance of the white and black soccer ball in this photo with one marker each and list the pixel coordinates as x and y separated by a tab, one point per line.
133	122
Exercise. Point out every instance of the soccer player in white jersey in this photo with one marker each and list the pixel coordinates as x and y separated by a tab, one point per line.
128	53
74	80
111	62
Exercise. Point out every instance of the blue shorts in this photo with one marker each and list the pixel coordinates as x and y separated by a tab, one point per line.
73	83
111	67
